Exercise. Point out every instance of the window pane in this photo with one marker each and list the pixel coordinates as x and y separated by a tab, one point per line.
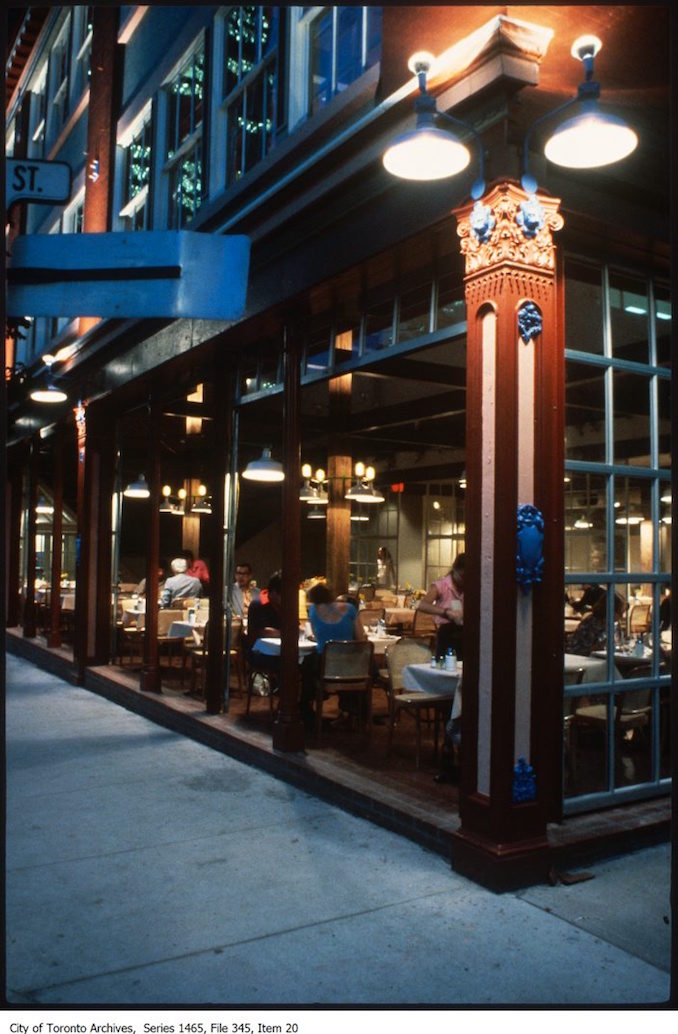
249	39
585	523
318	350
232	51
373	36
631	418
633	531
584	412
663	325
269	30
415	309
664	421
320	87
629	318
379	327
583	308
665	526
234	147
451	304
349	46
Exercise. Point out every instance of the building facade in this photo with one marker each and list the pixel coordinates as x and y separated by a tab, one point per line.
484	376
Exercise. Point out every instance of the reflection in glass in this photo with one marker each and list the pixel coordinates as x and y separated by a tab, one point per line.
415	312
585	523
631	418
584	412
633	528
629	322
583	307
663	325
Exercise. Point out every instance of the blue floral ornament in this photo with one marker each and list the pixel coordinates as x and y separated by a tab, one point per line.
529	321
530	217
524	782
482	222
530	544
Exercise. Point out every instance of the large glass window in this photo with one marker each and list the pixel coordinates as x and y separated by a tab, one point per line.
82	46
343	43
137	177
59	61
183	152
617	536
250	86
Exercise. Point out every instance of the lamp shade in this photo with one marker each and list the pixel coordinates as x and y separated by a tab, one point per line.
137	489
426	153
364	493
590	139
49	394
264	469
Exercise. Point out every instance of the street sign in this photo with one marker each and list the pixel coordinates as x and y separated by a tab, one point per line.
153	273
46	183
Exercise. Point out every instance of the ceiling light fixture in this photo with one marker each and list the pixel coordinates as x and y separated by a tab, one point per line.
591	138
428	152
264	469
137	489
50	394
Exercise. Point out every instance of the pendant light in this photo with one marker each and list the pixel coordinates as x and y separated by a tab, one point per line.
264	469
137	489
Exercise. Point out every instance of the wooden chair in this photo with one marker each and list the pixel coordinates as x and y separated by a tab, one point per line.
423	627
417	704
630	711
167	644
640	618
345	667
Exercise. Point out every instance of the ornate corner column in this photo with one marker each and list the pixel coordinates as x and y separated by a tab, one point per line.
513	626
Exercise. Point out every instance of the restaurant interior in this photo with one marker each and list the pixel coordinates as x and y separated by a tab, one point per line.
382	408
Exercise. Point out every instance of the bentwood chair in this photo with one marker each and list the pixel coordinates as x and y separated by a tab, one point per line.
345	667
430	706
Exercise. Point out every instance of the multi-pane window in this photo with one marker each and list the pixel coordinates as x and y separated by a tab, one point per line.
137	177
59	106
617	534
250	86
38	116
343	43
72	221
183	152
82	47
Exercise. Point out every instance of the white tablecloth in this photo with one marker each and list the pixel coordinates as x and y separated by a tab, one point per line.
422	678
184	629
271	646
595	668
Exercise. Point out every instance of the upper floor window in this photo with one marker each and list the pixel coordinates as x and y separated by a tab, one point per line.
82	47
38	117
183	154
136	178
250	86
343	43
59	60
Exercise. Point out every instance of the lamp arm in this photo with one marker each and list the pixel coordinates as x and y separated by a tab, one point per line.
479	144
538	122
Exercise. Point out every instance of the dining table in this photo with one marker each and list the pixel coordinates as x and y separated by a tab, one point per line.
424	678
184	629
270	646
627	660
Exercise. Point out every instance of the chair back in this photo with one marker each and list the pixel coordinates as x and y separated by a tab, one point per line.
367	592
398	655
347	661
423	624
185	602
639	618
166	617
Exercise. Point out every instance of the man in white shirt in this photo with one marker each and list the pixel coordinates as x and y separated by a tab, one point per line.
179	585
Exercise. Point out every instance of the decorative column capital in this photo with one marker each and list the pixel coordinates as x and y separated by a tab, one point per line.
516	227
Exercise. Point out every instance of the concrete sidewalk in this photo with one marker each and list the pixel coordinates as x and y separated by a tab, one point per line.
146	869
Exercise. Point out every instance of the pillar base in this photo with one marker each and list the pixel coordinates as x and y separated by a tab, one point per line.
501	867
288	734
149	680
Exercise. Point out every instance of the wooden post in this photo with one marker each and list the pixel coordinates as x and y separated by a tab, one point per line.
213	526
288	729
29	620
339	471
54	627
150	671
